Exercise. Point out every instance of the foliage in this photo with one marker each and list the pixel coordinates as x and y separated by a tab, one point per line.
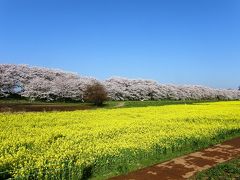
96	93
51	84
41	83
127	89
108	141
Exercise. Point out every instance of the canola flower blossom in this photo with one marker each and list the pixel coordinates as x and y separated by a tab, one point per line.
67	144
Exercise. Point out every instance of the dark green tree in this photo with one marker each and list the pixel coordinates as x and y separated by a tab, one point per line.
96	93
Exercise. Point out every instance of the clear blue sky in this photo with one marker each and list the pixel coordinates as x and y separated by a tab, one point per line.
171	41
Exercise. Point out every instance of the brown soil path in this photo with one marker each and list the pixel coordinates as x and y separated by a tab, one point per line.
121	104
40	107
186	166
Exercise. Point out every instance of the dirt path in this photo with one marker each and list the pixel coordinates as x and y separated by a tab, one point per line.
186	166
41	107
121	104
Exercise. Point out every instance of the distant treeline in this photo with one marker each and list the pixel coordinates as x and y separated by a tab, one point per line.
52	84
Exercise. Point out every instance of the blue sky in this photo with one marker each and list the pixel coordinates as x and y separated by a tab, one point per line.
171	41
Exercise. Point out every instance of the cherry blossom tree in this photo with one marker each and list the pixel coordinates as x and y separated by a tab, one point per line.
41	83
54	84
130	89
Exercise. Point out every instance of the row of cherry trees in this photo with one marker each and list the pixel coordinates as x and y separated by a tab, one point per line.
41	83
49	84
125	89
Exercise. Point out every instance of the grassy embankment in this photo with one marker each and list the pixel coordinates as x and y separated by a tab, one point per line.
228	170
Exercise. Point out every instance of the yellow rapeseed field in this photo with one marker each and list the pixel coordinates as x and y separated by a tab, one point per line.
99	142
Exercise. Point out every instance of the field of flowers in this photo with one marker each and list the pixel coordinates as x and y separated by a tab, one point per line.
101	143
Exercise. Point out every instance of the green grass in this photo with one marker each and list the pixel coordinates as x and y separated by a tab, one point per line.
130	104
108	104
225	171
